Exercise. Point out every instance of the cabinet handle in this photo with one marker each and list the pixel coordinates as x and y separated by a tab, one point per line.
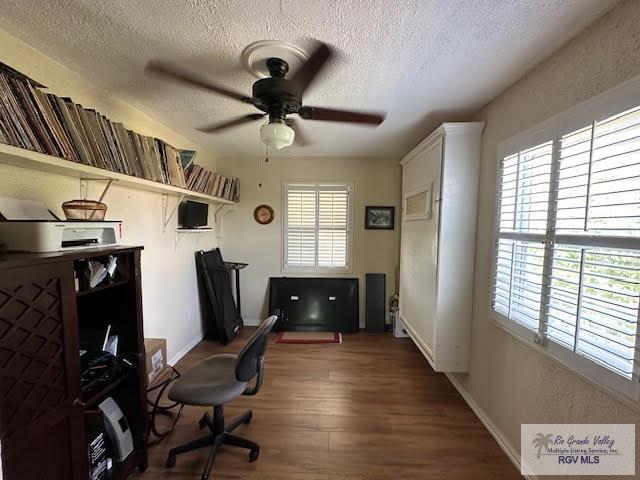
79	403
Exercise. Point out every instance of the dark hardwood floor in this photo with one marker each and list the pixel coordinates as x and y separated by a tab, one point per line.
369	409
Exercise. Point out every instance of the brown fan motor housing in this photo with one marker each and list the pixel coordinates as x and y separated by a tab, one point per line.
277	96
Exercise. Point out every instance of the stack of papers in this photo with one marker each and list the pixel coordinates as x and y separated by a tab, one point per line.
17	209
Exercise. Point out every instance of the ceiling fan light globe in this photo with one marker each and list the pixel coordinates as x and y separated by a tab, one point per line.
277	135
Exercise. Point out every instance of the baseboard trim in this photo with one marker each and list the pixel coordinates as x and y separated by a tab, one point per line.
187	348
424	349
506	446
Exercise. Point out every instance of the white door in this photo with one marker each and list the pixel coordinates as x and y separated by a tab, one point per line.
419	243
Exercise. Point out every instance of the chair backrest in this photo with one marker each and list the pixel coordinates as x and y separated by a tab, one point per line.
253	350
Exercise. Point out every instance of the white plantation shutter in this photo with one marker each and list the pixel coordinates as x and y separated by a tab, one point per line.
523	206
518	284
300	232
599	181
333	205
567	258
596	280
599	317
316	227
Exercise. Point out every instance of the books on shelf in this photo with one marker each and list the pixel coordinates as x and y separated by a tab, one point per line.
57	126
187	157
211	183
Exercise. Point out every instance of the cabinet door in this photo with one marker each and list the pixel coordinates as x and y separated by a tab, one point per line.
40	430
419	244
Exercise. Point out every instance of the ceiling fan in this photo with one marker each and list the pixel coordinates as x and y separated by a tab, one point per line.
276	97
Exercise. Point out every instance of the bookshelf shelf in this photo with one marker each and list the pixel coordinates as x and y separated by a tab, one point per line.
20	157
99	288
102	393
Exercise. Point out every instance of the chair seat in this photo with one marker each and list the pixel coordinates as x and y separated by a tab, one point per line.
211	382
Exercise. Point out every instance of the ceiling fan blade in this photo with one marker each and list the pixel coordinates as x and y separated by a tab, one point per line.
334	115
216	127
172	72
310	69
300	139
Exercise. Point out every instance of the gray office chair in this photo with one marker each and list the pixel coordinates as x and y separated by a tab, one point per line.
216	381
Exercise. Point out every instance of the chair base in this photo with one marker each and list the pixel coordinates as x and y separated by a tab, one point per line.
220	435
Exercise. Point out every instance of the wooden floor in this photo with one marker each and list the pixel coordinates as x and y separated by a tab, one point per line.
368	409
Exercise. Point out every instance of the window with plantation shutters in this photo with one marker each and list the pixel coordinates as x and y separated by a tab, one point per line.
566	271
316	227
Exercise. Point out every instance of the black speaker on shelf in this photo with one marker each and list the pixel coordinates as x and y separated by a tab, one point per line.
375	302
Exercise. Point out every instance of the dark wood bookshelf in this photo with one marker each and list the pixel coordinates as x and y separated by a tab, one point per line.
45	413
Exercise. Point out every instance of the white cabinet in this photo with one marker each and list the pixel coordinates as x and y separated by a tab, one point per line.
437	254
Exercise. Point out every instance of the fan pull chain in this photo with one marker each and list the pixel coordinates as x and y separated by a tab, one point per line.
266	160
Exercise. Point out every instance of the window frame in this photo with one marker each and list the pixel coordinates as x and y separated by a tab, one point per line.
607	104
349	230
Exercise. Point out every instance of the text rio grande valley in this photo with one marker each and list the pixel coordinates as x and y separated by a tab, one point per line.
584	451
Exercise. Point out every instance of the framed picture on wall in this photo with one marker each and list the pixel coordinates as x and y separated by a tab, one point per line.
379	218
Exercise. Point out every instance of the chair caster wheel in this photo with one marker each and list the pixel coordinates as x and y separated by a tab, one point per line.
254	454
171	461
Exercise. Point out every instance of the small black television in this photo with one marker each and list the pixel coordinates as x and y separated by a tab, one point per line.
193	214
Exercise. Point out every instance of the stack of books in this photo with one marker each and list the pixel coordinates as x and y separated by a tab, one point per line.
46	123
211	183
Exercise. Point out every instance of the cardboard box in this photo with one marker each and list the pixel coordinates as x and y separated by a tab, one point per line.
156	358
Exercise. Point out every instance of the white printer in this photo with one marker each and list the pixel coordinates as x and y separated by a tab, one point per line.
27	226
54	235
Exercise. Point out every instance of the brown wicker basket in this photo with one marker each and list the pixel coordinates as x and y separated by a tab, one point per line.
84	210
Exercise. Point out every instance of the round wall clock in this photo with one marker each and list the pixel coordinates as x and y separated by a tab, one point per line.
263	214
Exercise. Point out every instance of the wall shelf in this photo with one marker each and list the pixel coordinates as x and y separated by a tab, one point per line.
20	157
193	230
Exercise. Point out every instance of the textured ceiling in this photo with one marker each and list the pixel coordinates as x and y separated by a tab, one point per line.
421	61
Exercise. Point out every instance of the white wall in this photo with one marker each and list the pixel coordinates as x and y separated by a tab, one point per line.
171	308
376	182
511	382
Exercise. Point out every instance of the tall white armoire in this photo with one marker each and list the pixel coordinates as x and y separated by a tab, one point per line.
437	254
